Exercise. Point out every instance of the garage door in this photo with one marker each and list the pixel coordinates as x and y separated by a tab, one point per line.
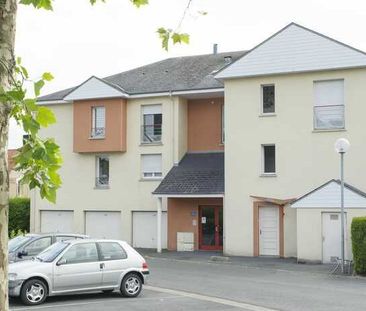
103	225
57	221
144	227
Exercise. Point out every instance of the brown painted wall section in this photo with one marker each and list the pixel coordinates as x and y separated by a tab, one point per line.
180	218
204	124
115	123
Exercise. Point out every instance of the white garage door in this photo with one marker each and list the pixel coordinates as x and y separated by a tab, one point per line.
103	225
57	221
144	226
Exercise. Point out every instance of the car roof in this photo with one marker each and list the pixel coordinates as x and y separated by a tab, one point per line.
57	234
93	241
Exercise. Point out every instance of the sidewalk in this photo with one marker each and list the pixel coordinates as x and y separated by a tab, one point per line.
271	263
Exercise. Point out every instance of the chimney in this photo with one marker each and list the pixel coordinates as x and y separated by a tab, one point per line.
215	48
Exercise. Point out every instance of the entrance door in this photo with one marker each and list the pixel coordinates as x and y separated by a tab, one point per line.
211	227
269	241
331	236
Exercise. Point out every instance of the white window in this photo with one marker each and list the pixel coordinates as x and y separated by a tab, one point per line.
152	118
151	165
102	172
329	104
268	159
268	98
98	122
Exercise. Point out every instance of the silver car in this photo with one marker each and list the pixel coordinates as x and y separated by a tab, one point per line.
78	266
24	247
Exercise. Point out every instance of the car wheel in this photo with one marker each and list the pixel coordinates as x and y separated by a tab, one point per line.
131	285
34	292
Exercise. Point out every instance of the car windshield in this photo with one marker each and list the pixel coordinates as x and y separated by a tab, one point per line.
17	242
50	253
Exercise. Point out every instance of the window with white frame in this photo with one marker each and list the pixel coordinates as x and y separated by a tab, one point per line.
268	159
152	118
329	104
98	122
151	166
268	99
102	171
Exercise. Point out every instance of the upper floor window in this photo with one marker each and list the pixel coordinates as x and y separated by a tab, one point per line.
98	122
152	124
151	166
269	159
329	104
102	172
268	99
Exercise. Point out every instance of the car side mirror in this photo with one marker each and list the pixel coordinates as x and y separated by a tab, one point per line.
61	262
22	253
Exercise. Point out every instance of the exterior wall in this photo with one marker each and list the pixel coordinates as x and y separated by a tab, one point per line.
309	232
183	216
16	190
180	128
127	191
204	124
305	158
115	128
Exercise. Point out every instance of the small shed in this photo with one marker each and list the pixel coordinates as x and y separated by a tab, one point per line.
319	221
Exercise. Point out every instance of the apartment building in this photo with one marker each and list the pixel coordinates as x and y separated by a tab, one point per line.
231	151
124	137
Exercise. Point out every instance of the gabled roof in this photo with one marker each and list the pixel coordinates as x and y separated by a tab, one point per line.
196	174
95	88
172	74
295	49
328	195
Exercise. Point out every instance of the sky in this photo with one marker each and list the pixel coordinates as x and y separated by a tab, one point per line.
77	40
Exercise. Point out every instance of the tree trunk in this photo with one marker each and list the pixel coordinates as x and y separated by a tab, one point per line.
8	9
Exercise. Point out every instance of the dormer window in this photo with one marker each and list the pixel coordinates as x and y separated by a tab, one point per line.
98	122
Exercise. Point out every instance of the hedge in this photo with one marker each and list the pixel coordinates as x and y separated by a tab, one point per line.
358	232
19	214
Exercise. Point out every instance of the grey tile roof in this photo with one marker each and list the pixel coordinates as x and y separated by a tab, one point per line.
196	174
172	74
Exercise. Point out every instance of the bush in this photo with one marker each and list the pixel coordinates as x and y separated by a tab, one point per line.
19	215
358	232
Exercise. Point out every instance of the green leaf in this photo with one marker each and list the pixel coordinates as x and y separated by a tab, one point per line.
38	4
180	38
24	71
30	125
45	116
47	76
38	86
184	37
164	35
139	3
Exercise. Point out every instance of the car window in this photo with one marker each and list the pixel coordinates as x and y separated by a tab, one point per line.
60	238
112	251
37	246
17	242
50	253
86	252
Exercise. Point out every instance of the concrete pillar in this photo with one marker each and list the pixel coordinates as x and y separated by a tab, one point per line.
158	217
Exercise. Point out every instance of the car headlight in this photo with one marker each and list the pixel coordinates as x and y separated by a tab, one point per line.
12	276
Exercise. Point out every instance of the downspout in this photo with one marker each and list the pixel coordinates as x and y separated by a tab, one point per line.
173	126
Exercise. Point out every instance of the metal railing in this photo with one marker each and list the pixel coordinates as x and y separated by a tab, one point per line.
97	132
102	181
151	133
329	117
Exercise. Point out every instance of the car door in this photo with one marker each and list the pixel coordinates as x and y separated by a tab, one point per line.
114	262
35	247
78	269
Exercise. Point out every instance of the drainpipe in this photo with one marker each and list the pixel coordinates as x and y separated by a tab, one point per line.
158	217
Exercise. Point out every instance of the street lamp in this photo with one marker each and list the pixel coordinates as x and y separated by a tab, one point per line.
341	146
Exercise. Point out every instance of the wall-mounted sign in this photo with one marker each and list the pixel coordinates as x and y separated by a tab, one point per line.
194	213
194	222
203	220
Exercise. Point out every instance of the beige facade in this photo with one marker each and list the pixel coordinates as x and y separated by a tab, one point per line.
305	158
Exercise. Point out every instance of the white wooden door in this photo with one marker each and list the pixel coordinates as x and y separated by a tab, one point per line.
331	236
57	221
103	225
269	241
144	229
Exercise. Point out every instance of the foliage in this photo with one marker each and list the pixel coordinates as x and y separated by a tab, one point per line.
39	159
168	34
358	232
15	233
19	215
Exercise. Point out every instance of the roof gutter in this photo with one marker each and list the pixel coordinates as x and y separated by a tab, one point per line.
156	195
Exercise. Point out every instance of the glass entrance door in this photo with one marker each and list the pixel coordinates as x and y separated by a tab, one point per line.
211	227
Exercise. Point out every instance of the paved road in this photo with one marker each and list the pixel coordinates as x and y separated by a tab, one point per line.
186	285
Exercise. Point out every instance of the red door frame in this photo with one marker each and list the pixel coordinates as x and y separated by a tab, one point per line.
217	245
